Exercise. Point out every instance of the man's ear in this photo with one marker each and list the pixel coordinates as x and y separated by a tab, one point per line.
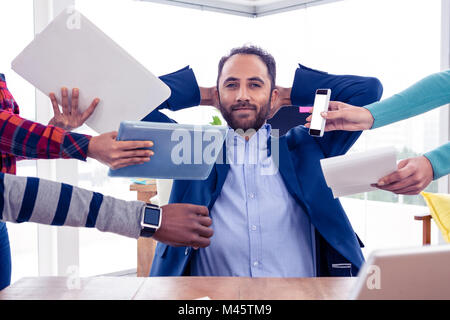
273	100
208	96
274	103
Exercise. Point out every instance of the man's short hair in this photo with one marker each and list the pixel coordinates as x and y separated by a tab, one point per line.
266	57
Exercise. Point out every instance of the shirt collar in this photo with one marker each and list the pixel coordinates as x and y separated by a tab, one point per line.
261	134
2	77
255	148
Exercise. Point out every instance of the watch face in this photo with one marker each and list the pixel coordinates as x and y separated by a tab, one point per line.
151	216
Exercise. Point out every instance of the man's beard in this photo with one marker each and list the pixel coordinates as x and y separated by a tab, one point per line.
236	123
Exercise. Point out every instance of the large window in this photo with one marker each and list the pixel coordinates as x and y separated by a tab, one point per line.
395	41
16	23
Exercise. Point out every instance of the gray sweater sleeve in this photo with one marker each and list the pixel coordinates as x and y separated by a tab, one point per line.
41	201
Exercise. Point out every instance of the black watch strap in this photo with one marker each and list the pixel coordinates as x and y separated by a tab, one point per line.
147	232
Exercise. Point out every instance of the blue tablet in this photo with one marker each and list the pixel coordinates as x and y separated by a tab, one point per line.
182	151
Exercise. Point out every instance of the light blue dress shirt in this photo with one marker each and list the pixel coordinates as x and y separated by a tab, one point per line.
259	230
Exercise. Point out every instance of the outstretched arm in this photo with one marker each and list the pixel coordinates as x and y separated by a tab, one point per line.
429	93
26	199
27	139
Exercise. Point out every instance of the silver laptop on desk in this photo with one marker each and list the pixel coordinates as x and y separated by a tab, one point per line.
413	273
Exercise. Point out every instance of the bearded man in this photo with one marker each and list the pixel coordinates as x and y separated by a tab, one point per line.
273	214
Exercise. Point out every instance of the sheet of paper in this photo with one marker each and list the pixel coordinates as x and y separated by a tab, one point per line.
355	172
72	52
349	190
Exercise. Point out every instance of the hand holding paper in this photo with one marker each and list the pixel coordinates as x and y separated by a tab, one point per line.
413	175
356	172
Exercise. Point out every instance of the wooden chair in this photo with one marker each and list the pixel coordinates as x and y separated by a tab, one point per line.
145	246
426	227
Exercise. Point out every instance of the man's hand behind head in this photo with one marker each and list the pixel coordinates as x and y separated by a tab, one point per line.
185	225
283	99
209	97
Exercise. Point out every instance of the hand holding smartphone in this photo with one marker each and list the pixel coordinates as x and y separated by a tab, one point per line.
321	102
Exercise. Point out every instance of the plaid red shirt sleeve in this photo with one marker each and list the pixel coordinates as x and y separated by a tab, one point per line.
20	138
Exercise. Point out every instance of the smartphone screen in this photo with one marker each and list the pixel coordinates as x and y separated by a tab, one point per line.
320	104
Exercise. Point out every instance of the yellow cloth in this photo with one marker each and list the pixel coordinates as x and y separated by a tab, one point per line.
439	205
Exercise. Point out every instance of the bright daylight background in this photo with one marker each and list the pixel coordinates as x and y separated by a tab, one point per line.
397	41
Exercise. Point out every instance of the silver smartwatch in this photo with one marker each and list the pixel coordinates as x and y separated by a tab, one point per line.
151	220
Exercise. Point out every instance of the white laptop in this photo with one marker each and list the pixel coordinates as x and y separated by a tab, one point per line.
72	52
413	273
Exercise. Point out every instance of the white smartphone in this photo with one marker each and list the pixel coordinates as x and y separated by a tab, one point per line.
321	102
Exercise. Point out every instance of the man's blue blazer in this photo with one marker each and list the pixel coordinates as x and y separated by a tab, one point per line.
338	248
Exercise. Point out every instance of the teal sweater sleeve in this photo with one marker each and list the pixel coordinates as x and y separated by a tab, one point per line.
429	93
440	160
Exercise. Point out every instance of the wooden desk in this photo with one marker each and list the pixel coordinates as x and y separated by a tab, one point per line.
181	288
